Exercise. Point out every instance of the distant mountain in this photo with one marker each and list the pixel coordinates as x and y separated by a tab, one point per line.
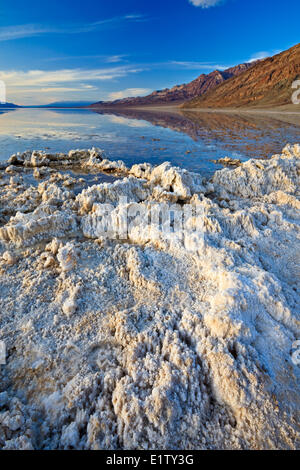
64	104
179	93
267	84
9	105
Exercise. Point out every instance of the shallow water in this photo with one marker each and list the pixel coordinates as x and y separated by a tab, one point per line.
189	139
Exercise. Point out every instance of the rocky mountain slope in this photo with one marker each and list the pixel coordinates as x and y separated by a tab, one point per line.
267	84
179	93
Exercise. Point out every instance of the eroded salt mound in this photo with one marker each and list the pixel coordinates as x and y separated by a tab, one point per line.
141	338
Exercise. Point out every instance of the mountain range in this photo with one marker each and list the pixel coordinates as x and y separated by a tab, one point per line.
8	105
266	83
65	104
179	94
56	104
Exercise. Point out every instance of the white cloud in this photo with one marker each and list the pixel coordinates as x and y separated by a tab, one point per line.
108	59
129	92
128	122
53	90
32	78
9	33
21	85
263	55
205	3
190	65
258	56
135	16
113	59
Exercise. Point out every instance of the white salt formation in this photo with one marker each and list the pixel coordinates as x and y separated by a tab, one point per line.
139	338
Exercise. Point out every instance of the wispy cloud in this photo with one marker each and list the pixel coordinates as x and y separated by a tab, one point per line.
113	59
136	17
22	85
40	77
9	33
191	65
118	95
108	59
263	55
117	19
259	56
205	3
56	89
128	122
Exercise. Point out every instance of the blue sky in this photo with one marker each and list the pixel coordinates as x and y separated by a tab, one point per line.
100	49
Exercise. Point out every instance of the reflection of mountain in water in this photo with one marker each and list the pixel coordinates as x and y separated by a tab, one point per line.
258	134
4	110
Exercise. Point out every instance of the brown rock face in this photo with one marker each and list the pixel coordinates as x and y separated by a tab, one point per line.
179	93
267	84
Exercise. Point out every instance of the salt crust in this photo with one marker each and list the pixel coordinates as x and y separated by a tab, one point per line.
147	342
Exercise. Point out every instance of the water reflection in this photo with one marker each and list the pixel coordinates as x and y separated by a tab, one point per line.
6	110
188	139
252	133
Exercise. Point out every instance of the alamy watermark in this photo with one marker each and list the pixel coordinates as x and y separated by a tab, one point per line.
183	224
296	353
2	92
296	94
2	353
